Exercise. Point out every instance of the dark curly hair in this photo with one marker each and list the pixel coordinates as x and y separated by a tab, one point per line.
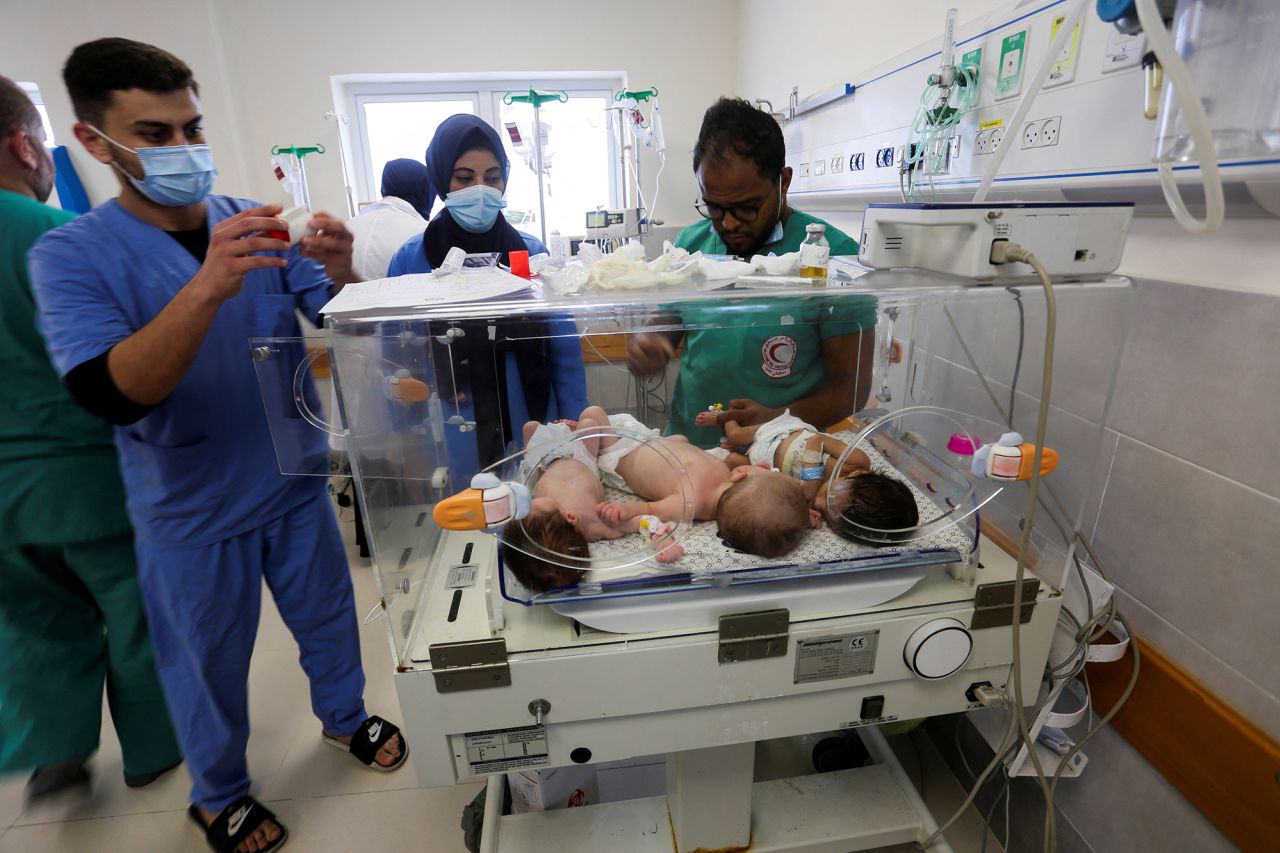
549	533
96	70
876	502
733	127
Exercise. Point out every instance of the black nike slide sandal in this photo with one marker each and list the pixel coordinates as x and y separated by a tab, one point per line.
237	822
368	739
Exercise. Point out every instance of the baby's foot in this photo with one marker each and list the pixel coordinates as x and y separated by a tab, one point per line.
707	419
530	428
670	553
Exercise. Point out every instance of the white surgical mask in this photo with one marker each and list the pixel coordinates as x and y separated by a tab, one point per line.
776	234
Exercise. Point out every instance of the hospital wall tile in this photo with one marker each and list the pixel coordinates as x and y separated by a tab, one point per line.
1101	480
1200	379
1218	677
1084	454
1090	331
1198	550
1121	804
960	744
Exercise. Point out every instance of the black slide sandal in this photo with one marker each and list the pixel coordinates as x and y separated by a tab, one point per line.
368	739
237	822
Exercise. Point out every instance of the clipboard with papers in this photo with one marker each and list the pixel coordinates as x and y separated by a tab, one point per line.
424	290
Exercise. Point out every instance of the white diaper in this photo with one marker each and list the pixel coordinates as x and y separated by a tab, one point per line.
550	442
611	456
770	434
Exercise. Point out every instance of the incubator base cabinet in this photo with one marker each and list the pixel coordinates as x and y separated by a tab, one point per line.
707	658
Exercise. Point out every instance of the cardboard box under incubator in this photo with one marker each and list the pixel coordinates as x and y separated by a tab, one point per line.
722	648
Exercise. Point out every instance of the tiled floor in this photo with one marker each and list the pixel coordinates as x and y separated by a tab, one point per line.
328	803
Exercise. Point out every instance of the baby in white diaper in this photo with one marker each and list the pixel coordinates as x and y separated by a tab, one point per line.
757	510
798	450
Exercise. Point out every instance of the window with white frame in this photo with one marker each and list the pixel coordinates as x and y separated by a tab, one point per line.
581	168
33	92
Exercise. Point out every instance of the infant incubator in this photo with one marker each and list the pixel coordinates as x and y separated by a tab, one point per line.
718	648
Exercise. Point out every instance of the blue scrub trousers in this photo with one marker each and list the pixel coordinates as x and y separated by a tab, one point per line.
203	604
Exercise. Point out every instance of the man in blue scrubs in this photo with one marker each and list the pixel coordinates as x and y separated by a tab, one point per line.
148	303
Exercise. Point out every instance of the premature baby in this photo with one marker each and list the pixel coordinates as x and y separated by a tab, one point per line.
799	451
758	511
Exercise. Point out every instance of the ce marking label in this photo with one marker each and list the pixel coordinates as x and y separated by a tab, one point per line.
857	162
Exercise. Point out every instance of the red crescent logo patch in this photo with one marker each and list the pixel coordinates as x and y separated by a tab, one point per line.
777	356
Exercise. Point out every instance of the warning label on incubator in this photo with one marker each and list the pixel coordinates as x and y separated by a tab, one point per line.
501	750
460	576
823	658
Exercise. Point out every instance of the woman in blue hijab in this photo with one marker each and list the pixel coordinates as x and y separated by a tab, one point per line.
408	179
468	165
538	361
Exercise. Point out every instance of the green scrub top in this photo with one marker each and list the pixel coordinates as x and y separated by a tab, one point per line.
768	349
58	462
702	237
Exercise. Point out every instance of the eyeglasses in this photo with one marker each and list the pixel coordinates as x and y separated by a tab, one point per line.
714	212
741	213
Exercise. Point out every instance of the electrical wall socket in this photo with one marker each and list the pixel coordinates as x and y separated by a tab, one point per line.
1049	131
1042	132
1031	134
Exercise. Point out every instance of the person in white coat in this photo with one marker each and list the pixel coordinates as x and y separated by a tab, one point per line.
383	227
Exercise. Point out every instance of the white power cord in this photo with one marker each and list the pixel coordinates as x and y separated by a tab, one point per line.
1024	105
1179	77
1006	252
1098	624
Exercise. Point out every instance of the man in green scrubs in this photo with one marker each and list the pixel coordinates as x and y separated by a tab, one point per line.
757	357
70	613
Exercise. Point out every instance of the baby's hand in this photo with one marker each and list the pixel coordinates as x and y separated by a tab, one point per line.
612	513
815	519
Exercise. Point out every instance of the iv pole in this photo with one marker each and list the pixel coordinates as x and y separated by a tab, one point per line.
300	154
627	150
537	99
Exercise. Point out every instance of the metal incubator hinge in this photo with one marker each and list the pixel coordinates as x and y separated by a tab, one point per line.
993	603
471	665
754	636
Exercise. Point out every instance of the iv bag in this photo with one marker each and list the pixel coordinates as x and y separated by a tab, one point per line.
287	172
1229	47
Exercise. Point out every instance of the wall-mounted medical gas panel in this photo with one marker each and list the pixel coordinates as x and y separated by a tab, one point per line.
1085	138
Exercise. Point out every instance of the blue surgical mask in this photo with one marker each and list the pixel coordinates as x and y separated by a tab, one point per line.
475	208
173	175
